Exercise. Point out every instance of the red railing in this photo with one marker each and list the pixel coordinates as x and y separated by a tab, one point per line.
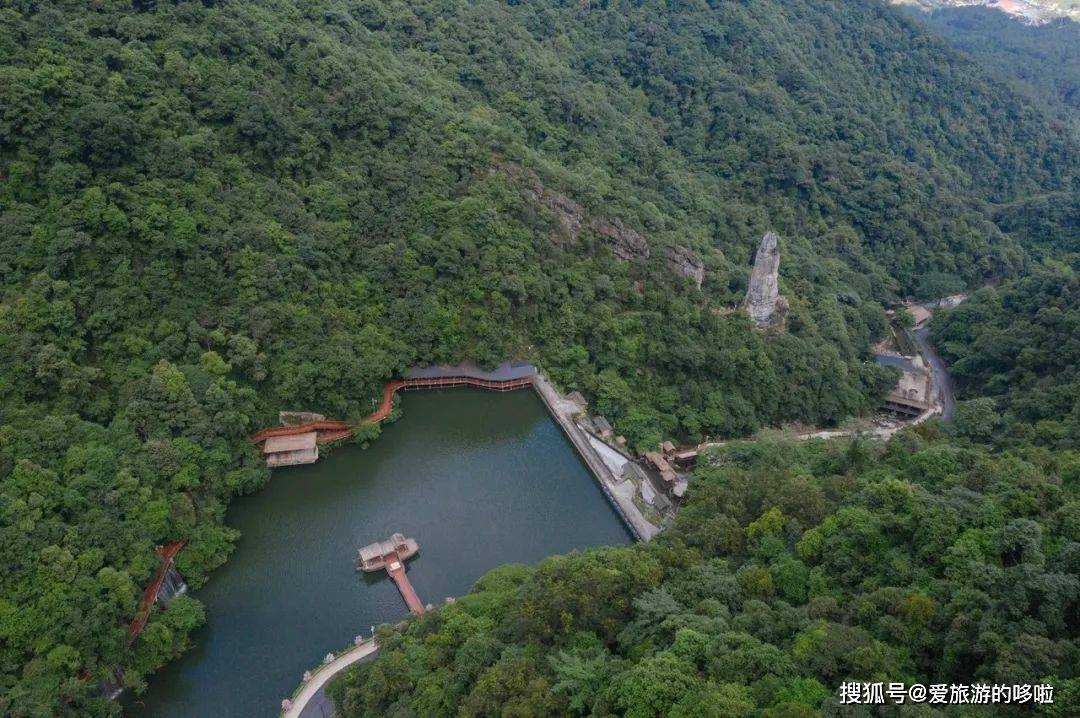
334	430
403	583
323	426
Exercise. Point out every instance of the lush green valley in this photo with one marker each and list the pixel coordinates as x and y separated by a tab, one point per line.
210	211
1014	350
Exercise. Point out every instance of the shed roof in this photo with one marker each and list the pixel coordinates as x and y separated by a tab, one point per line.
377	550
667	473
919	313
295	442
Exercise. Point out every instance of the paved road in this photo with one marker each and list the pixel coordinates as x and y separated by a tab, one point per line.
942	381
320	705
312	701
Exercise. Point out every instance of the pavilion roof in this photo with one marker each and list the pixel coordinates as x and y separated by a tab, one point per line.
295	442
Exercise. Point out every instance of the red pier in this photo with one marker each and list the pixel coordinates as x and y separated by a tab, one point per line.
396	569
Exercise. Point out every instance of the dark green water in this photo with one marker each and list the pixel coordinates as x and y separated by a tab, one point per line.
478	478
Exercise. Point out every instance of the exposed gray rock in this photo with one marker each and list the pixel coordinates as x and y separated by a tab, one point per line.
570	217
763	294
624	242
292	418
685	263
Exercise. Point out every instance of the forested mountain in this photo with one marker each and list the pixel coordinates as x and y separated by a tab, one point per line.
948	555
1014	352
1043	61
210	211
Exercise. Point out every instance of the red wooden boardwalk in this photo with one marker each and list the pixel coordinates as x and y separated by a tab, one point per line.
396	569
324	428
336	430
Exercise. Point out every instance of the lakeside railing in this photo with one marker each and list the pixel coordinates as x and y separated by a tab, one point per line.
361	645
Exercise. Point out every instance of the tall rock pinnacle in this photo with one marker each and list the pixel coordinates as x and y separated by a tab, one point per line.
762	296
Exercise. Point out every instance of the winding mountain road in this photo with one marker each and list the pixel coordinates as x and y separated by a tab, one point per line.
940	373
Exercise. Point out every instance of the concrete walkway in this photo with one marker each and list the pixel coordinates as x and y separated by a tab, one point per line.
312	696
620	493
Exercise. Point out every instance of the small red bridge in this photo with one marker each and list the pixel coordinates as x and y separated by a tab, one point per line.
326	430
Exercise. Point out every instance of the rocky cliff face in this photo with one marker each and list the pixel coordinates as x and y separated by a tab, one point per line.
570	218
624	242
569	215
685	263
763	294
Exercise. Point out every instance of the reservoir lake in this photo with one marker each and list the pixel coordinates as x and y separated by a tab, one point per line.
478	478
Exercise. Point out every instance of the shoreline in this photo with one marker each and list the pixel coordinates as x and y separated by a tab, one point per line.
509	376
562	410
295	705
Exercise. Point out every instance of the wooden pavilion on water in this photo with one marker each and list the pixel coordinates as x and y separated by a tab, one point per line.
374	557
292	450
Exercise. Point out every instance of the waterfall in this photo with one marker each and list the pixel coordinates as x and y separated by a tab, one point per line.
172	585
111	688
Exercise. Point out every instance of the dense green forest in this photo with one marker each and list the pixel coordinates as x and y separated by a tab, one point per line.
794	566
210	211
1014	353
1042	61
935	557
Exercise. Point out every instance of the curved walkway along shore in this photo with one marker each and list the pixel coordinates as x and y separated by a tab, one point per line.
311	692
509	377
